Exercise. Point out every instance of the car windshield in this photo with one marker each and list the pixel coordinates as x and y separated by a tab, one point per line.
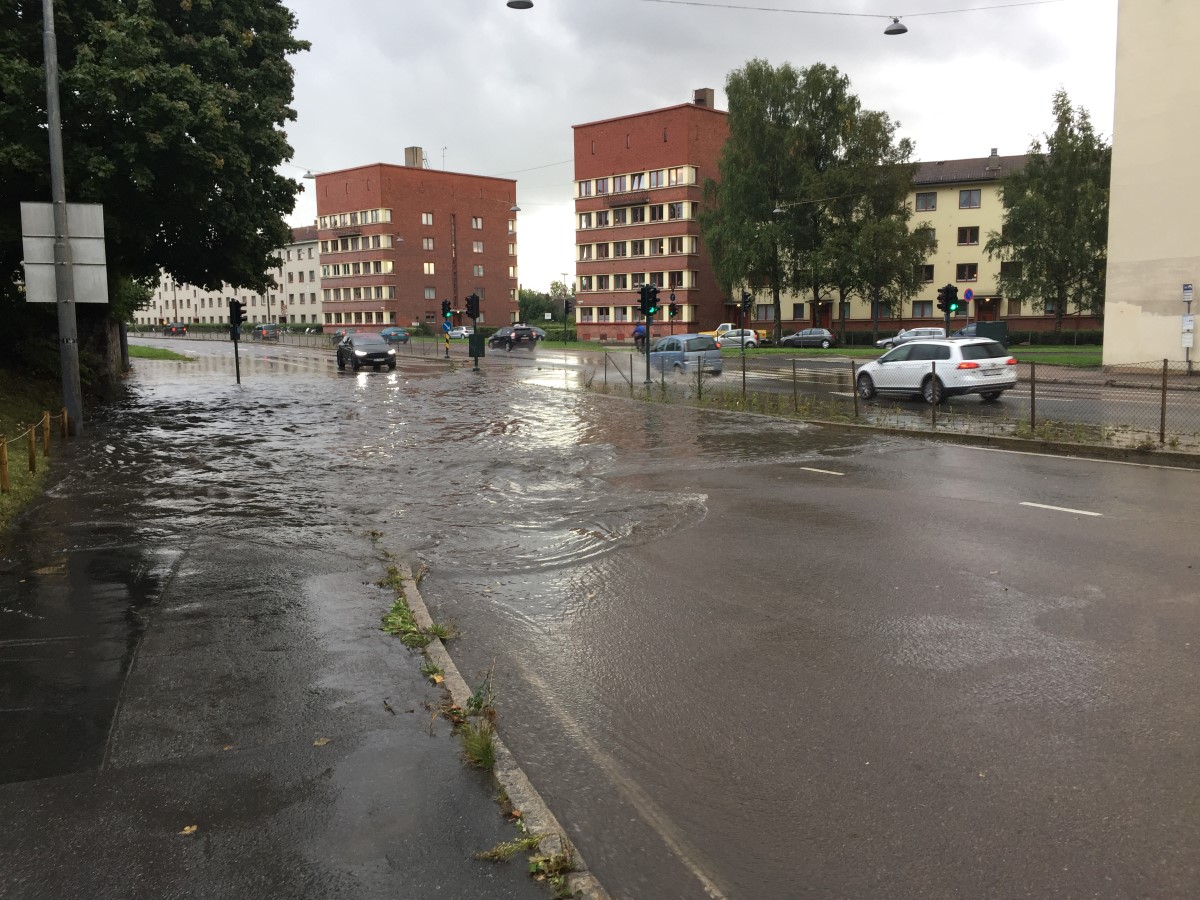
368	342
702	342
984	350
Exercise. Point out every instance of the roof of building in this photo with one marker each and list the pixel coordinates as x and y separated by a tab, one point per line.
304	233
983	168
654	112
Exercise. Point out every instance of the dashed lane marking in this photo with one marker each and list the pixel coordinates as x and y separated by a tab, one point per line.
820	471
1066	509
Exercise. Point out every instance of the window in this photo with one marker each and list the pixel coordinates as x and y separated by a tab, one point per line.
585	282
656	213
656	178
585	220
602	219
291	275
968	199
477	246
656	246
967	272
656	279
637	248
602	251
601	185
619	184
620	216
675	280
426	243
637	214
797	311
426	218
637	279
925	273
676	175
968	236
1050	307
428	268
430	293
512	271
675	210
1014	307
675	245
926	201
619	248
585	189
512	249
1010	270
637	181
620	282
922	309
477	271
585	251
602	282
476	222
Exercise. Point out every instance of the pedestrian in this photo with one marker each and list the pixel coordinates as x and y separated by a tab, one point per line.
639	337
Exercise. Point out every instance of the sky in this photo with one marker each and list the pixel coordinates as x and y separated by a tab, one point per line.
490	90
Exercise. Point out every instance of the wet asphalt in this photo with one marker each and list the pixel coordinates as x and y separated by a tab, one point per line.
739	657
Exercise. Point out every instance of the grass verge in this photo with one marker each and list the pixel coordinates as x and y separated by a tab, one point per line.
139	351
22	402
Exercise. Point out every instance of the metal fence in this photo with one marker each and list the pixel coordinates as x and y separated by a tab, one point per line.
1144	406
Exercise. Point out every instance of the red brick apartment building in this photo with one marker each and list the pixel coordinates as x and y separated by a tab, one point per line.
639	182
394	241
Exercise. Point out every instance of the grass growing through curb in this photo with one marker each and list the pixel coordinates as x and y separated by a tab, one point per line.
400	621
506	850
478	743
138	351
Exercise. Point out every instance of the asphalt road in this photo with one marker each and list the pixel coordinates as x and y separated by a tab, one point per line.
742	657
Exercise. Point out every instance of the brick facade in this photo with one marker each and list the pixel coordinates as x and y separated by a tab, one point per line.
616	163
397	240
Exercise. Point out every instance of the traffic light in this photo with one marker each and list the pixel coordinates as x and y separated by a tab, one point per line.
445	309
652	293
673	309
943	298
472	306
237	312
952	303
746	301
567	307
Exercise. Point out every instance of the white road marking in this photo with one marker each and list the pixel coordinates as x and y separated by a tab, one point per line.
1066	509
1081	459
820	471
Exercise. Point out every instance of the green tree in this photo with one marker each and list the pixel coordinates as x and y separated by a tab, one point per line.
1055	232
533	305
172	117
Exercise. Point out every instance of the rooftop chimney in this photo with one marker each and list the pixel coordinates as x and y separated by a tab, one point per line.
414	157
993	164
703	97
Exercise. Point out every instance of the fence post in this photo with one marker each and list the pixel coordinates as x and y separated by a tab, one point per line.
854	385
3	464
1032	397
1162	422
933	393
32	433
631	376
606	368
64	423
795	396
46	433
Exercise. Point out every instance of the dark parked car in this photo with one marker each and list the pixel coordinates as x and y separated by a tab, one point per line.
265	331
175	329
394	335
358	350
810	337
513	336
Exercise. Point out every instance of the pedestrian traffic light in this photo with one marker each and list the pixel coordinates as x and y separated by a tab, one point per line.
237	312
445	309
473	306
952	303
673	309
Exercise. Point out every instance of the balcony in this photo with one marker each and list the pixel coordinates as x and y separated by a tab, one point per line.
627	198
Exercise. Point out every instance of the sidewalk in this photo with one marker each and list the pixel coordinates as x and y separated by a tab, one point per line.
206	712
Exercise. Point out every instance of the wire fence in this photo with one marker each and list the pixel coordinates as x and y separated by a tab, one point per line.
416	345
1153	405
30	441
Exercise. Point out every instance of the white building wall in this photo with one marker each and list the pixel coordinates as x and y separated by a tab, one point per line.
1154	226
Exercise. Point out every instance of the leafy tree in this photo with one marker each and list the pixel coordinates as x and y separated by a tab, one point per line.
808	179
533	305
1055	227
172	117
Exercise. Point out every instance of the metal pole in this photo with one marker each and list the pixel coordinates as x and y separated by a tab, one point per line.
933	392
646	347
68	336
1032	396
795	396
1162	423
854	385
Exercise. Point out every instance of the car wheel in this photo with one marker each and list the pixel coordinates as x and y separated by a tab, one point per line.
932	390
866	387
392	366
677	368
750	345
825	345
991	396
510	346
354	364
341	362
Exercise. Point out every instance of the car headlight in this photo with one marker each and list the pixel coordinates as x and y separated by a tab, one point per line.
360	352
391	351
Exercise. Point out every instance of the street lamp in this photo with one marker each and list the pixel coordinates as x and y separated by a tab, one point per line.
520	4
895	28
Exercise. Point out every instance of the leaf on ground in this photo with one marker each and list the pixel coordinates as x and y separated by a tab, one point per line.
227	747
321	742
190	829
438	679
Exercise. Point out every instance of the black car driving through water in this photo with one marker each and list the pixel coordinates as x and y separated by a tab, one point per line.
364	349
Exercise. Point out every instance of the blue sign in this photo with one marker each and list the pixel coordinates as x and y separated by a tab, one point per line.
968	294
445	326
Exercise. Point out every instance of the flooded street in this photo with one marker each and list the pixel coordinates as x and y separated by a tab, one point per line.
739	656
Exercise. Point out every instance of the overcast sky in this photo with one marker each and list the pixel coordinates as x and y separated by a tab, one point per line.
490	90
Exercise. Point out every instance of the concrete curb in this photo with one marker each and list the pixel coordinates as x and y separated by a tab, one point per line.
1056	448
535	813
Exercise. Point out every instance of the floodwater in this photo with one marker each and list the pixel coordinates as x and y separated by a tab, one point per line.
730	673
